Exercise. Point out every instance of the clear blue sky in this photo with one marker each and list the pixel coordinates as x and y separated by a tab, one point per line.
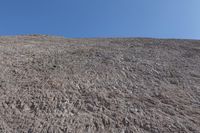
102	18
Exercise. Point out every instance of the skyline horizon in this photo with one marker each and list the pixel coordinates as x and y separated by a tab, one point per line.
98	37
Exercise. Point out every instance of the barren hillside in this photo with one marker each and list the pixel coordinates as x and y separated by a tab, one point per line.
57	85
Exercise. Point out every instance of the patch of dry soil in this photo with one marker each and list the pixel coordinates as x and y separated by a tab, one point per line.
58	85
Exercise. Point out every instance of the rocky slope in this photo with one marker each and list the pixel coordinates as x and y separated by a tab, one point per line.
53	84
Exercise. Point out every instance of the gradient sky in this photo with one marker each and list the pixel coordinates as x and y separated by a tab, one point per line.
102	18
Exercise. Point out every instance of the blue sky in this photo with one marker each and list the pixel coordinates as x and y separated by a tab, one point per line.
102	18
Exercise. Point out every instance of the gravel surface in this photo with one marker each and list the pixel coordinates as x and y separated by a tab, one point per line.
57	85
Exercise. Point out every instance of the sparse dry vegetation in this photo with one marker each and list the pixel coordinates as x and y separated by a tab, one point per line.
53	84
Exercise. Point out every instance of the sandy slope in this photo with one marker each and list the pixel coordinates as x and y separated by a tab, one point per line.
53	84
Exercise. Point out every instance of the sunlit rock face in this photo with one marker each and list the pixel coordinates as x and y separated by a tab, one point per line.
121	85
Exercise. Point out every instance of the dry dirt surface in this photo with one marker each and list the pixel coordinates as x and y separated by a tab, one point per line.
55	85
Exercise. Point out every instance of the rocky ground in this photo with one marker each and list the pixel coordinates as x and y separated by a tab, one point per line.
58	85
